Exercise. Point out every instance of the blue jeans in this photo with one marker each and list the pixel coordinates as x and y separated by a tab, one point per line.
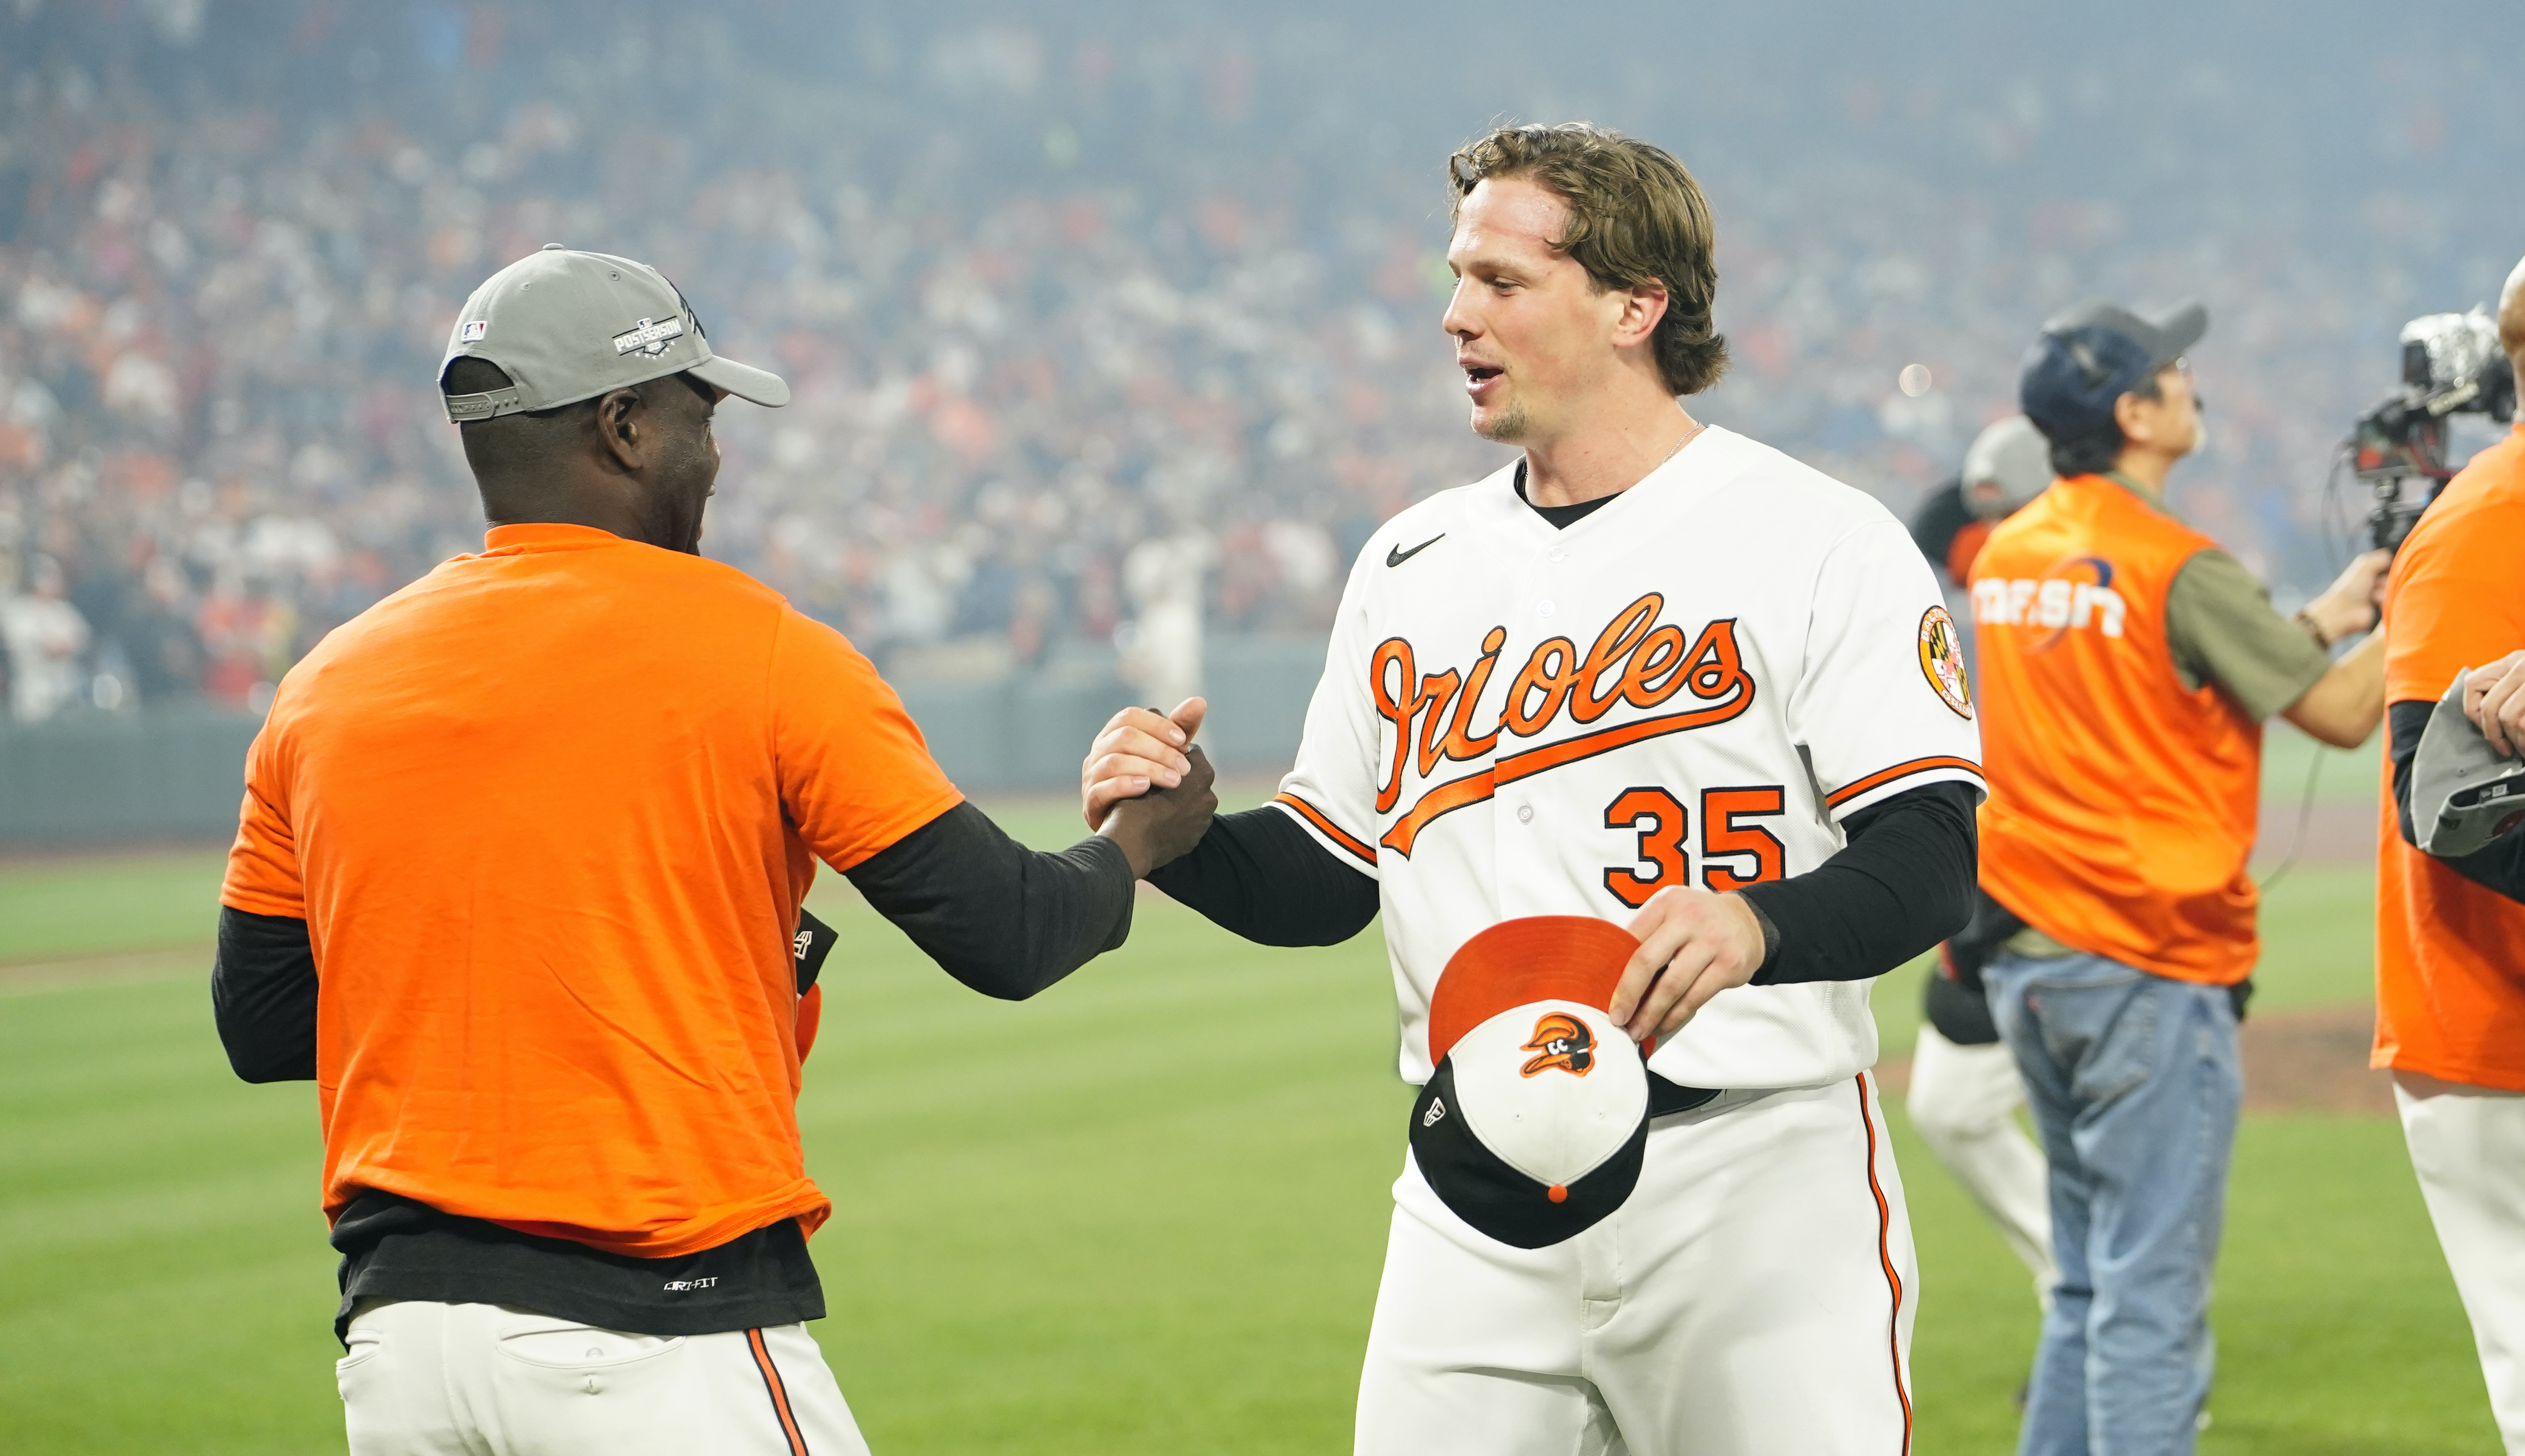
2134	1082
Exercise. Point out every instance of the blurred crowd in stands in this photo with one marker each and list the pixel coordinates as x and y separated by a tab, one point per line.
1037	381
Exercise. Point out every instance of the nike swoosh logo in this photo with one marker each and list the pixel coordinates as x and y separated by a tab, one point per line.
1396	556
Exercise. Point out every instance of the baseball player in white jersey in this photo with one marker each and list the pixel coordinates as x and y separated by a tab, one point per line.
1659	674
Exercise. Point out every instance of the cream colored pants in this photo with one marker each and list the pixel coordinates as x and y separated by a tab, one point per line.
424	1378
2469	1149
1963	1101
1753	1297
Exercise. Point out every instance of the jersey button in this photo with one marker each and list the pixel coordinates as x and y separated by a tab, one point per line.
1526	813
1543	609
1558	554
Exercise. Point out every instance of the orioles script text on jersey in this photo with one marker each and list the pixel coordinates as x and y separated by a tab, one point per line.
1636	659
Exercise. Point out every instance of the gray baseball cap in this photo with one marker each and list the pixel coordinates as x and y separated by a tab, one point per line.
2013	456
2464	794
565	325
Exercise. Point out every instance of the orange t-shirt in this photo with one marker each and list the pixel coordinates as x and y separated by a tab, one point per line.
549	813
2451	953
2122	804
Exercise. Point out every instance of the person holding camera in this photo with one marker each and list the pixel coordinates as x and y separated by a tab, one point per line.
2451	931
2127	664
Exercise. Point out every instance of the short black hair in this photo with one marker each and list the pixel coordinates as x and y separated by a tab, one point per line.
2090	454
468	374
2100	450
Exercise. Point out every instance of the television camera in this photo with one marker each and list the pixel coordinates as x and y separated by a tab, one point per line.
2451	364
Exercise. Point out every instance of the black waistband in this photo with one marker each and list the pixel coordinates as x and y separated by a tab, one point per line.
397	1248
1666	1097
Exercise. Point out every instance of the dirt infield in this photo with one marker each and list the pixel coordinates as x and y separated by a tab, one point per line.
2312	1060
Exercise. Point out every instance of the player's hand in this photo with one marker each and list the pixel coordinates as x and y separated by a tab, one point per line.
1693	945
2355	601
2494	697
1139	747
1163	824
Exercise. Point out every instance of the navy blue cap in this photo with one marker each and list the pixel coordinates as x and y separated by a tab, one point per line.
2090	355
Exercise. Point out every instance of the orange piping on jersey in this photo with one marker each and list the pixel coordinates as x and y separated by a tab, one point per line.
1884	776
1322	821
1446	798
1885	1258
779	1392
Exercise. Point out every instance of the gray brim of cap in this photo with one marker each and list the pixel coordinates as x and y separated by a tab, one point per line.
745	382
2463	793
2178	329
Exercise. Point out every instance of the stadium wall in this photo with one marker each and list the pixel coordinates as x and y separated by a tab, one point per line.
174	772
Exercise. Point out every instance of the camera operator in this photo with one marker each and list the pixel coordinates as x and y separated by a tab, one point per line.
2451	933
2127	664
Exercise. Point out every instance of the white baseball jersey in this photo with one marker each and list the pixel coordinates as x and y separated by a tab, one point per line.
1694	684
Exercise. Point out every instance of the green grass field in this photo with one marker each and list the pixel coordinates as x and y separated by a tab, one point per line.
1143	1213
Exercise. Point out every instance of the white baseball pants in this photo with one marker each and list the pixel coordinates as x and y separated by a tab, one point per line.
2468	1149
424	1378
1963	1101
1753	1297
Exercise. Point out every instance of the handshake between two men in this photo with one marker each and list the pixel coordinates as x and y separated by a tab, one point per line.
1146	782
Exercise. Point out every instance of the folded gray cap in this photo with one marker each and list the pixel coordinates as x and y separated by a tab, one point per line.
2464	794
566	326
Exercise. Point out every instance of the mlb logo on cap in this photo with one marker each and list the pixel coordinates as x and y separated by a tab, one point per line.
1534	1125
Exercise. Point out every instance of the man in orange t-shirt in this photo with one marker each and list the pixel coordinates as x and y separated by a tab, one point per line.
2451	933
516	883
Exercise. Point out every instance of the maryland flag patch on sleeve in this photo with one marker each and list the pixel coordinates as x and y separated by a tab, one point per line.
1942	661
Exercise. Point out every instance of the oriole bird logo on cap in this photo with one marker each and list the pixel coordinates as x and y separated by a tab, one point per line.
1565	1044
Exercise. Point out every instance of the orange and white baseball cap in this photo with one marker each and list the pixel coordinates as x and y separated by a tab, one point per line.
1534	1125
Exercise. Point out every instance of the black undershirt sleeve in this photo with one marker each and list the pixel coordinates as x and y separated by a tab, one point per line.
1003	919
1006	920
1903	882
263	996
1259	875
2499	865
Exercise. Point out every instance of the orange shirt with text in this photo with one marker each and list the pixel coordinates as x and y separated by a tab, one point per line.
2122	804
549	813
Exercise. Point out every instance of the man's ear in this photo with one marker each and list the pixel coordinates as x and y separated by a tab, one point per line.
622	430
2127	409
1642	308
